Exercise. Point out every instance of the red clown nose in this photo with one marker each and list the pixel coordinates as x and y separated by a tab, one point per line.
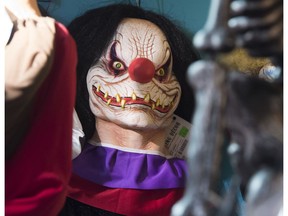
141	70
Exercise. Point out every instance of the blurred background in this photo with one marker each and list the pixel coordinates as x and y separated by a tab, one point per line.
188	14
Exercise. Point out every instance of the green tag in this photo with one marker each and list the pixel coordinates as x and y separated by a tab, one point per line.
183	131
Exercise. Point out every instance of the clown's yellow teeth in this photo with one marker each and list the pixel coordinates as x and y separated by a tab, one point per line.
123	102
158	102
98	88
118	98
108	101
147	98
134	97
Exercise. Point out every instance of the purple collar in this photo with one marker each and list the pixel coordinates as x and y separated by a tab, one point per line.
120	169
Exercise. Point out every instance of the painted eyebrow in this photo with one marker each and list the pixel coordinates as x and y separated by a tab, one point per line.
113	54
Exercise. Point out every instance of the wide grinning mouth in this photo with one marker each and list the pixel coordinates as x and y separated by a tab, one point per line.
123	102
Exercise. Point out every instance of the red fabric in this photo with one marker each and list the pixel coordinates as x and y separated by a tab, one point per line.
129	202
36	177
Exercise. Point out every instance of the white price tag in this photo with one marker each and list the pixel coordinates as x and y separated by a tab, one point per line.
177	137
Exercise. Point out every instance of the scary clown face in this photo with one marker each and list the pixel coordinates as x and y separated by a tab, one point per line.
133	84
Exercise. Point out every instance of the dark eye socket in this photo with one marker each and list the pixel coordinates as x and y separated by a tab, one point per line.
117	67
160	72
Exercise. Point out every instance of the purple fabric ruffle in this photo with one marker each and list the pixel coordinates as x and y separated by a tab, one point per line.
120	169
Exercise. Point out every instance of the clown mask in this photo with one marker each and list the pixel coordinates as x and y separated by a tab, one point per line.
133	84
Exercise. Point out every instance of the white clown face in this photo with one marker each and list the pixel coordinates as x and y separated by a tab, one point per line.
133	84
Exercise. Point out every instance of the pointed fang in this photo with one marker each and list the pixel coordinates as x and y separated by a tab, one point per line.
108	101
123	102
134	97
106	95
158	102
118	99
147	98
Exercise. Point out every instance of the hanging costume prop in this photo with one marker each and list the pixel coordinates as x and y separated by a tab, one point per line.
131	82
22	80
40	91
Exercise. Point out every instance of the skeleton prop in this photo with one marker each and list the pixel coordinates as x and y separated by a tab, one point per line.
251	109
